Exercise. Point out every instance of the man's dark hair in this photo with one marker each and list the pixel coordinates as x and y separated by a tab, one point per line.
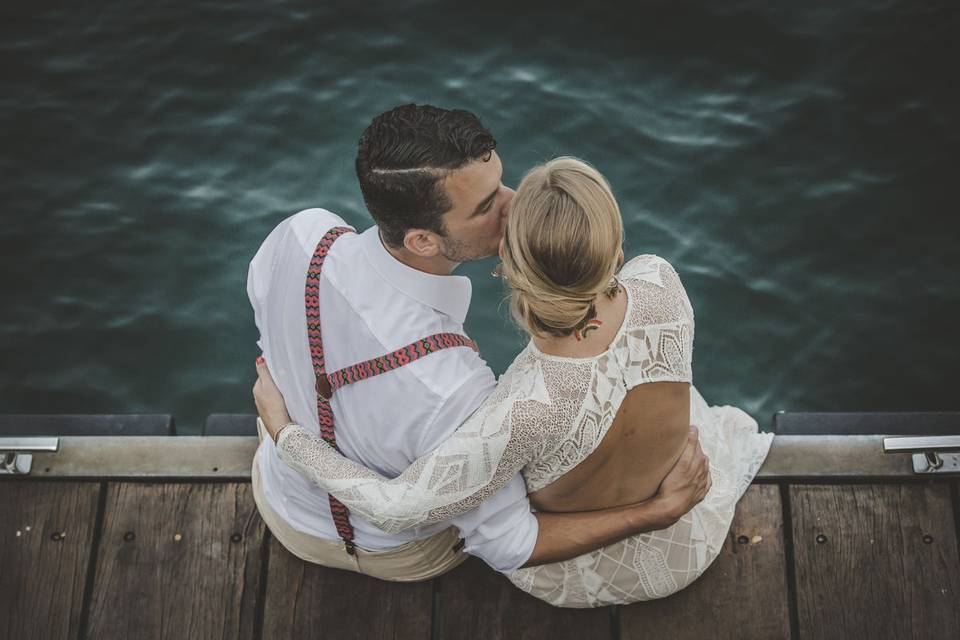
402	159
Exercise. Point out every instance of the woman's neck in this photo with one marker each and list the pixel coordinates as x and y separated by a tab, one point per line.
595	337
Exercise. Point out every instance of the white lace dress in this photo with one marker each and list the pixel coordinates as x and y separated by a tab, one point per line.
546	416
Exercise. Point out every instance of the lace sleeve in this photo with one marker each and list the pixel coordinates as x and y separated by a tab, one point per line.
478	459
658	343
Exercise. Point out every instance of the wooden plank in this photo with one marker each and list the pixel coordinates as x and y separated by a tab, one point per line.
743	594
47	531
306	600
177	561
474	601
875	561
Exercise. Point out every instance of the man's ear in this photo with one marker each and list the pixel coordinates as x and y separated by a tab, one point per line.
422	243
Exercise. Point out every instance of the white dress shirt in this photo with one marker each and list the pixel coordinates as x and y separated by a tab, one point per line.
372	304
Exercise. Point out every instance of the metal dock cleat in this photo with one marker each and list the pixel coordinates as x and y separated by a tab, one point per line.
931	454
14	460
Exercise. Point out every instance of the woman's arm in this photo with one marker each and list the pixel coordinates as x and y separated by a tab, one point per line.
478	460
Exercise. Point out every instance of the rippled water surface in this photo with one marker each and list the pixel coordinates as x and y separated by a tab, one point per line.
796	164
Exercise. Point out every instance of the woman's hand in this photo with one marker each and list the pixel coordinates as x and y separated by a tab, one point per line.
269	400
687	483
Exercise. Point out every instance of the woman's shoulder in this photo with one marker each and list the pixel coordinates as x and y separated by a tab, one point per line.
657	294
657	345
647	267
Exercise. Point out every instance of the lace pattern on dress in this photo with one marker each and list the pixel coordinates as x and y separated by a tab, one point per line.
548	414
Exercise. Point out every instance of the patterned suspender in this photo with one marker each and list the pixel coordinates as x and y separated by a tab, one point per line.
327	384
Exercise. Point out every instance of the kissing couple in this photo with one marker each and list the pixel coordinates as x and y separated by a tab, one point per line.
591	473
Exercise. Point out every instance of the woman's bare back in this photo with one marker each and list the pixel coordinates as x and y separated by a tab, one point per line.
645	440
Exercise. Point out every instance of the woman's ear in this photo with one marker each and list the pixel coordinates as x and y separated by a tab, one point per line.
422	243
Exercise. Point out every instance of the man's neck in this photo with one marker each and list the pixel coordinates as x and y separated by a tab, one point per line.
437	265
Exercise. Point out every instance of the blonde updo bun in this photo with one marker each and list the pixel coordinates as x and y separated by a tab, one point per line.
561	246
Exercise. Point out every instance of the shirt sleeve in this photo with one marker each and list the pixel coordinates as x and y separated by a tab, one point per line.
501	531
288	237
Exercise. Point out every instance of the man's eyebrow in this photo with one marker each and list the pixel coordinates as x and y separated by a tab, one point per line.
483	203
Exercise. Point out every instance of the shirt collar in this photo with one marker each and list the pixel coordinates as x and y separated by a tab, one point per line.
447	294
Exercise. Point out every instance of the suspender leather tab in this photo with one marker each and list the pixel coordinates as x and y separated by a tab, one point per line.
323	388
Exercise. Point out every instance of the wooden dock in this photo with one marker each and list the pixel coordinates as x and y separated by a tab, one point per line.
131	555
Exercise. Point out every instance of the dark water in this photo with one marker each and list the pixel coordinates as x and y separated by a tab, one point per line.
796	162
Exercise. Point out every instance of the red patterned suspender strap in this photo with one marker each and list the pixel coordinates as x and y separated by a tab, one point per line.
400	357
341	515
327	384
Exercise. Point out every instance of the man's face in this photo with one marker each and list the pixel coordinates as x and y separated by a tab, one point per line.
475	222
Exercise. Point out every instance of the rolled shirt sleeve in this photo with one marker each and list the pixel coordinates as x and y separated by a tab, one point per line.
501	531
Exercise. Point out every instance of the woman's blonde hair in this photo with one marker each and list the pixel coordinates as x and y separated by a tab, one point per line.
561	246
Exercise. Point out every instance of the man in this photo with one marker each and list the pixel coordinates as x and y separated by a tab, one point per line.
431	180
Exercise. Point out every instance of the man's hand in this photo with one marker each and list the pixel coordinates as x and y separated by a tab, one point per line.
269	401
687	483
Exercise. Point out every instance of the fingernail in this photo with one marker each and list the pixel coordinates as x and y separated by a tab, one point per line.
260	360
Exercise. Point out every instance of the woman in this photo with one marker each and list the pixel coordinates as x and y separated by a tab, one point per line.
594	411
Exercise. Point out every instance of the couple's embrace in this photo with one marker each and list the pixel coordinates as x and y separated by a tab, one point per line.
591	473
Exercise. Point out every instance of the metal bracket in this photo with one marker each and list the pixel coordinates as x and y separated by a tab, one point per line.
931	454
933	462
13	460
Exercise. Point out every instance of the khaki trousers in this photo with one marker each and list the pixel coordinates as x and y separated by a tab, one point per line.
410	562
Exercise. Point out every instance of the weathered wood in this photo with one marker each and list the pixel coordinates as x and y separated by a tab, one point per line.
177	561
743	594
876	561
47	532
476	602
305	600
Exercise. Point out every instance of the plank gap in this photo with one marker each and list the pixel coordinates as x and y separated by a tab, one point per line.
92	562
615	622
434	607
262	588
955	494
789	561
